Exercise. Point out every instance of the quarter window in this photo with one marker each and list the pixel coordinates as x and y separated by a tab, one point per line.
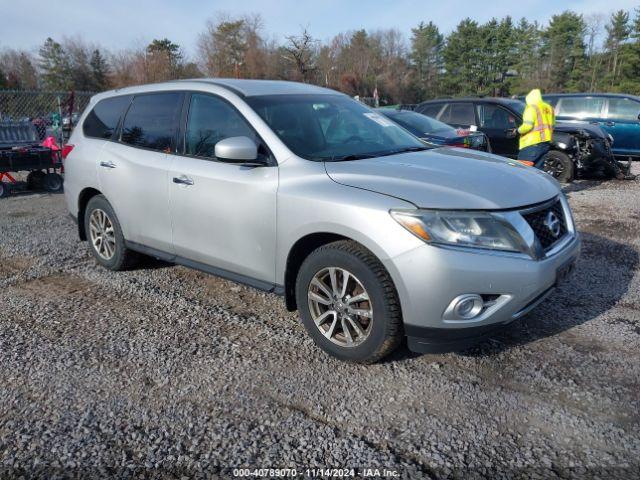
210	120
102	121
152	121
624	109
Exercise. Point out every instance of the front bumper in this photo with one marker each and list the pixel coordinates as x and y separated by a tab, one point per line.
429	277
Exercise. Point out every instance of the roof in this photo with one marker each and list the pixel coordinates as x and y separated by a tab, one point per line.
619	95
241	87
472	99
250	88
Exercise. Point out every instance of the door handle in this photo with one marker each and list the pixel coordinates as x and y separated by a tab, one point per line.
108	164
182	180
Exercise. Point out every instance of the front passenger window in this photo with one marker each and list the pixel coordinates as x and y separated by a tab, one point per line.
210	120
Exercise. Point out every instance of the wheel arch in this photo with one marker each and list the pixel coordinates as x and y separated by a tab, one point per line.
83	199
309	242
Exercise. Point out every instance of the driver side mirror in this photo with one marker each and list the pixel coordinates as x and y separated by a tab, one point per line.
239	149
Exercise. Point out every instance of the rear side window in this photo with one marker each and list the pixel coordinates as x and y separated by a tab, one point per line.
152	120
459	114
624	109
580	107
102	121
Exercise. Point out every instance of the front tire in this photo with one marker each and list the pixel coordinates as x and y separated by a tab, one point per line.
104	234
559	165
348	303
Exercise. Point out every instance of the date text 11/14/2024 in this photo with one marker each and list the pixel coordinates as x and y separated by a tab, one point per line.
316	472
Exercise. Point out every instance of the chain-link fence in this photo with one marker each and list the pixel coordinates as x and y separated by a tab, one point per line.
52	113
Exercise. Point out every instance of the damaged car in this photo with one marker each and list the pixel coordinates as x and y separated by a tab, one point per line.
576	149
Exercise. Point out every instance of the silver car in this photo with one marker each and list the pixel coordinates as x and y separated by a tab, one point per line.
306	193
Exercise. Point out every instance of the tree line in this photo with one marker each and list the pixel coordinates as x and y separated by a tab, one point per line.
572	53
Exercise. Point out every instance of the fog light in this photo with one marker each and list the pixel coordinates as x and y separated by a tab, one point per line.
465	307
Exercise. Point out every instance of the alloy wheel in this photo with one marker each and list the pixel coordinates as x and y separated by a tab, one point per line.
554	167
102	234
340	306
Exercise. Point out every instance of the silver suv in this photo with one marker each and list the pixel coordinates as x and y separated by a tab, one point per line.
301	191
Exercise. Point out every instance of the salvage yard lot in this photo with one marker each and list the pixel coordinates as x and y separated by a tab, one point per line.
167	371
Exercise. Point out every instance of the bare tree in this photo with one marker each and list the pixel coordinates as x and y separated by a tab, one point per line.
594	23
301	50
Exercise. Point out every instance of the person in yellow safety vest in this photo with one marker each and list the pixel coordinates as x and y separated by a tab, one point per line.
536	130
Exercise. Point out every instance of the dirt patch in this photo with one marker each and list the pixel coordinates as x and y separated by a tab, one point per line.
608	228
12	265
55	285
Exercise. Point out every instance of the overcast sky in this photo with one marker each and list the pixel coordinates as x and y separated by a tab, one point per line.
117	24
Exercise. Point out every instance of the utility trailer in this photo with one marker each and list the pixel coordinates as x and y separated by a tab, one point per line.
20	151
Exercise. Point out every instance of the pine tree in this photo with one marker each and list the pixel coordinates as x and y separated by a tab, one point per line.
564	52
55	66
629	80
462	62
99	71
426	57
3	78
527	42
618	31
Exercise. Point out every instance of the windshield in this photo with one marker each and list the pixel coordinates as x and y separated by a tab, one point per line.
331	127
416	123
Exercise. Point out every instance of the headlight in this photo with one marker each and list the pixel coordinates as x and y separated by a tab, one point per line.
463	229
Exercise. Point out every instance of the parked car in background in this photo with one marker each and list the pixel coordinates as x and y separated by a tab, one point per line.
575	148
435	133
302	191
618	115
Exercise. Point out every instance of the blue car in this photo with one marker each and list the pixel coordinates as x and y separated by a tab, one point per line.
617	114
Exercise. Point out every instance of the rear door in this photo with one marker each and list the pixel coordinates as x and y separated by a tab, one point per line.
223	213
133	171
623	123
499	124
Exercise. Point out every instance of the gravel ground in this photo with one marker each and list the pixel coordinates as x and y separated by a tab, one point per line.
166	372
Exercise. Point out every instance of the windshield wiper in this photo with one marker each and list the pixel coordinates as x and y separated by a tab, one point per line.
404	150
360	156
352	156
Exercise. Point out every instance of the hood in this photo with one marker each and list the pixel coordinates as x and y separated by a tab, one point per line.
448	178
534	97
594	131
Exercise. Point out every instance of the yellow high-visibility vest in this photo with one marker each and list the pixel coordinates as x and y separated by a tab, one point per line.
538	120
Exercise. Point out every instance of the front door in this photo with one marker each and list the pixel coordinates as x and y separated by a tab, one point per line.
499	124
623	123
223	213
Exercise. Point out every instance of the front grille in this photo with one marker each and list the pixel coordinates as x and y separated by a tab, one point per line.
538	220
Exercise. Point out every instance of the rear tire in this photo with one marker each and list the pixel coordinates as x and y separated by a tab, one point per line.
559	165
53	182
35	180
5	189
104	234
362	331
